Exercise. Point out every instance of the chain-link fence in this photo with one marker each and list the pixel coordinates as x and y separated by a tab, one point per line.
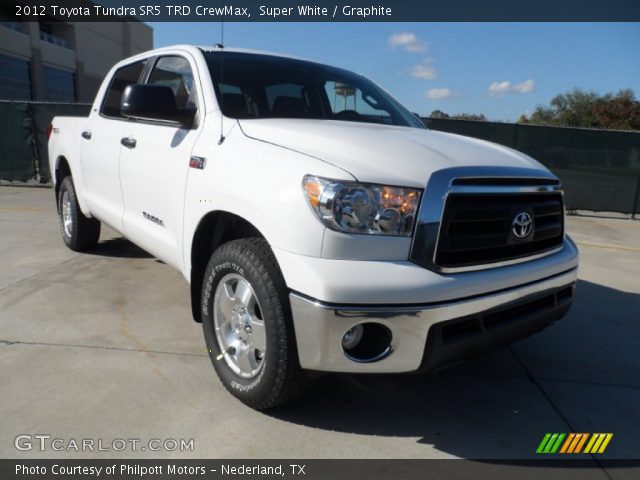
23	143
600	169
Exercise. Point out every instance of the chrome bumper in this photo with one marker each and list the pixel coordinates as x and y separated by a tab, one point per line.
319	327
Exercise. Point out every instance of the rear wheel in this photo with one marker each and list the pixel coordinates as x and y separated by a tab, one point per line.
248	327
79	232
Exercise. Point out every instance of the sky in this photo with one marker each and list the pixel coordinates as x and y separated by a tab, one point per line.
501	70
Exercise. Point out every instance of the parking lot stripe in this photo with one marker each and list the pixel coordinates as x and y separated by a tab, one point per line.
609	247
21	209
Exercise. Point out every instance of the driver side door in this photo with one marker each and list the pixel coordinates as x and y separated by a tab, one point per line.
154	163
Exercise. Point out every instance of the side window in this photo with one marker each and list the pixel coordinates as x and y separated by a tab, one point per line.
348	101
290	100
232	89
287	90
175	72
123	77
235	102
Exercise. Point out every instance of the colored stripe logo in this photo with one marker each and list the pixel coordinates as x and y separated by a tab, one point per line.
574	443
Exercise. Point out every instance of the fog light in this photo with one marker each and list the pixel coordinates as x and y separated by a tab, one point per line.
352	338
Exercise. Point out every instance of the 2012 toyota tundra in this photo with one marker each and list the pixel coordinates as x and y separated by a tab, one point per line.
320	225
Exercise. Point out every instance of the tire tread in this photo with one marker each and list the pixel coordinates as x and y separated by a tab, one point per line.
86	231
290	380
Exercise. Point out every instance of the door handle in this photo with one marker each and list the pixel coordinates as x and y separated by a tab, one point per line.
128	142
86	135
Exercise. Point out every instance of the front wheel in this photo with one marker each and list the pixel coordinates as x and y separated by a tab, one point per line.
79	232
247	325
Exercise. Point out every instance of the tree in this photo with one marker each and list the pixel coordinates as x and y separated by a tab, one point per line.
620	112
459	116
579	108
438	114
470	116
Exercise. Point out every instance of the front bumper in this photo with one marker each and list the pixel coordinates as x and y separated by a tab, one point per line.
428	336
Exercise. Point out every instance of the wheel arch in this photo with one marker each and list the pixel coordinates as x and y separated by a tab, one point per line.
214	229
63	169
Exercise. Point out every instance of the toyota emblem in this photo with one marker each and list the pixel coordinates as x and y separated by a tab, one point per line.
522	225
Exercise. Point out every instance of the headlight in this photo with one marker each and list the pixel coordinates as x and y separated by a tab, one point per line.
361	207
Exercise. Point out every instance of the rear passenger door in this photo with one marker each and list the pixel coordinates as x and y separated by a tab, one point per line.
154	171
100	151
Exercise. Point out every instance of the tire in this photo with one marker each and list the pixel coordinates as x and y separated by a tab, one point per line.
262	370
79	233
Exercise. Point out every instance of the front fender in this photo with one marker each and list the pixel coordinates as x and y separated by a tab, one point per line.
261	183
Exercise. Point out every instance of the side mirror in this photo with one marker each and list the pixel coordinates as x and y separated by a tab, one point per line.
155	102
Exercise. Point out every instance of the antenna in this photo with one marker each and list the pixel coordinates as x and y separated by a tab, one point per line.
221	46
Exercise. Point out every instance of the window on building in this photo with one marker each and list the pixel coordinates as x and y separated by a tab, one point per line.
56	33
8	20
59	85
123	77
11	25
15	82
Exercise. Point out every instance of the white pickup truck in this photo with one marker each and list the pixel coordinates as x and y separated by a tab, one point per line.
320	225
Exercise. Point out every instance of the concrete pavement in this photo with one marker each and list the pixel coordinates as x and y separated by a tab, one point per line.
102	345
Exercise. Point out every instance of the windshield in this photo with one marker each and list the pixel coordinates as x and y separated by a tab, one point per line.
263	86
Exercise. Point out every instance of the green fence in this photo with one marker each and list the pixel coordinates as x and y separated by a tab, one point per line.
23	143
600	169
17	148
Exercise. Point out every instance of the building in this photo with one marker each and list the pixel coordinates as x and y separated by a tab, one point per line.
55	61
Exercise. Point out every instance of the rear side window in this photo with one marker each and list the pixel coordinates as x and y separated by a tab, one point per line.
286	92
124	76
174	72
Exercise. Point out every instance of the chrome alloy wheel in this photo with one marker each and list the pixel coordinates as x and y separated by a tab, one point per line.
67	221
239	326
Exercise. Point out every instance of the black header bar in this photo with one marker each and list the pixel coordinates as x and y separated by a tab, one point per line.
326	10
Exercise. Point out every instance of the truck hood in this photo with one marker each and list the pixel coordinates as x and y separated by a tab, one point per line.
382	153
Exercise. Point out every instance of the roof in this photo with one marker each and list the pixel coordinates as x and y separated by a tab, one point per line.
247	50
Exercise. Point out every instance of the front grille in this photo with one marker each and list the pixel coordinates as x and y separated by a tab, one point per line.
477	229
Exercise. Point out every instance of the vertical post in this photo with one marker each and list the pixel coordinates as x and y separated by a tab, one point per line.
634	208
127	46
36	153
35	63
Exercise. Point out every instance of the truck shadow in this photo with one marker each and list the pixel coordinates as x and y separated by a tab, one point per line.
581	374
119	247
